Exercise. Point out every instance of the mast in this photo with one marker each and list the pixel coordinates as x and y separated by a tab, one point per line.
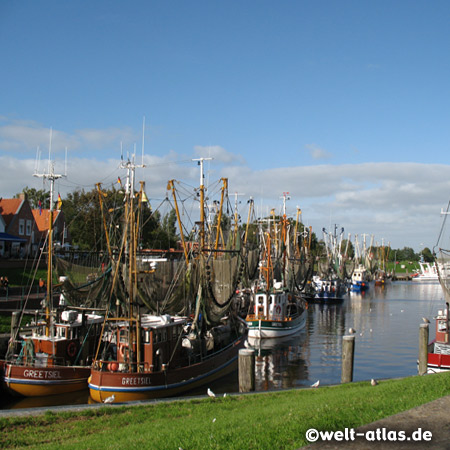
202	202
219	219
51	176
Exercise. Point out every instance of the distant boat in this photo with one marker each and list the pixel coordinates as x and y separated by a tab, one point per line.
360	279
426	272
326	290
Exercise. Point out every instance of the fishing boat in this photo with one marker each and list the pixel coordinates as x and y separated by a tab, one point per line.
162	353
326	290
52	354
439	348
277	308
328	284
360	279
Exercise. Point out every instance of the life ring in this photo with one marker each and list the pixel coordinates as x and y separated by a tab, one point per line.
278	309
122	349
72	349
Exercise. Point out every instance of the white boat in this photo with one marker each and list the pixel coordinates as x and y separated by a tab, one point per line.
426	272
277	313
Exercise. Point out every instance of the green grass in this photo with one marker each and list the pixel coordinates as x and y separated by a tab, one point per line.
276	420
23	277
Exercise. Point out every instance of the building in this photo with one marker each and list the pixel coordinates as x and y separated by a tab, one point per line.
60	233
18	237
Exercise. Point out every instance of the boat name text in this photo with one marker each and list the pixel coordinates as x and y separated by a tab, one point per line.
42	374
135	381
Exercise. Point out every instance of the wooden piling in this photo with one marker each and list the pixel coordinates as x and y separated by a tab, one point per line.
348	355
246	370
15	318
423	348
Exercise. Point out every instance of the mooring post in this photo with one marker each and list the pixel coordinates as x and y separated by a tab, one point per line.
15	318
348	355
423	348
246	370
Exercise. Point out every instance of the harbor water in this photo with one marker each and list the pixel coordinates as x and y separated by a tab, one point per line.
386	322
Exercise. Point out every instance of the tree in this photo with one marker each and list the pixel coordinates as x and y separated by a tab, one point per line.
35	196
427	255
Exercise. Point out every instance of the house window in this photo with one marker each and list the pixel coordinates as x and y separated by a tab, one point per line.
21	227
28	228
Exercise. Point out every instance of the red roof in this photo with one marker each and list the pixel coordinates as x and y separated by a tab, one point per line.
41	219
9	208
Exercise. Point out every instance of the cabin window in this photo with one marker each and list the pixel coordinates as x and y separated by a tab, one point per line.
164	335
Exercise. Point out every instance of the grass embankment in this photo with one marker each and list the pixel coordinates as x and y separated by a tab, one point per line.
23	277
276	420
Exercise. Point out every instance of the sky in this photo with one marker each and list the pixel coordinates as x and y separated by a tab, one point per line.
343	104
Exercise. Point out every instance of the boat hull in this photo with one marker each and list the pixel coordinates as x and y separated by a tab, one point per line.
267	329
438	362
126	386
32	381
325	298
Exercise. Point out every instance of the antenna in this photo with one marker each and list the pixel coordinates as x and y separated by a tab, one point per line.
143	139
38	158
50	175
65	164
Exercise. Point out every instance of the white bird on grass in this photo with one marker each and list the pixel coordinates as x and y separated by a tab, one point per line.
225	394
110	399
211	393
316	384
373	382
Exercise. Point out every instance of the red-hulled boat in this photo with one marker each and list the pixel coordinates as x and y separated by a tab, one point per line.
439	349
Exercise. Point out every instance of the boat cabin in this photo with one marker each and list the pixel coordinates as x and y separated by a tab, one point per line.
271	305
69	334
159	343
442	326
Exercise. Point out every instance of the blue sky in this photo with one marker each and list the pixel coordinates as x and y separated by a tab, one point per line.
345	104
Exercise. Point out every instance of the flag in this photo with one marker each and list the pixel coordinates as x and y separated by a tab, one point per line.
40	208
59	202
119	180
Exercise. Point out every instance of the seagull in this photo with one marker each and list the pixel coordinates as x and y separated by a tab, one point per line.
425	320
316	384
225	394
373	382
214	419
361	334
211	393
110	399
351	331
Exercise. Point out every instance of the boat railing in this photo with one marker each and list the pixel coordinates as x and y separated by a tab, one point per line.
24	360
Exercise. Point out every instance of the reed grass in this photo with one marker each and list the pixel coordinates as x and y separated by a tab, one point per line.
276	420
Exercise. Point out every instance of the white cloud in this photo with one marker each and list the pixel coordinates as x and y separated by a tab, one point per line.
318	153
